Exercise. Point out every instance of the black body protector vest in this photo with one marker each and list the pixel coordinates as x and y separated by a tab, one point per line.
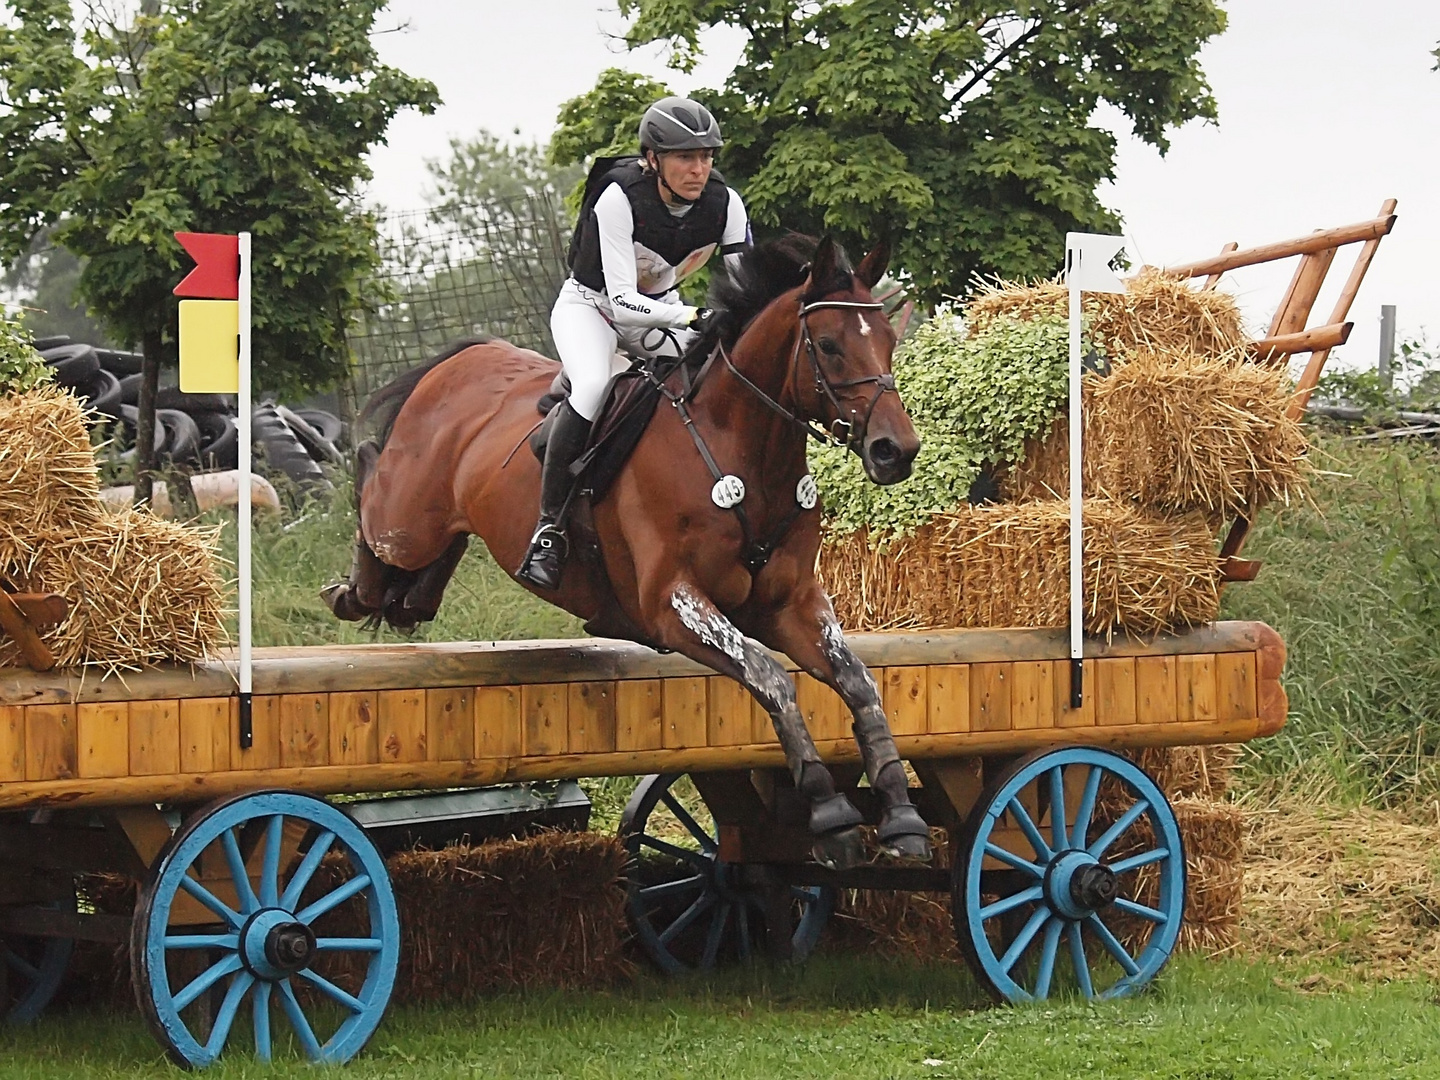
667	248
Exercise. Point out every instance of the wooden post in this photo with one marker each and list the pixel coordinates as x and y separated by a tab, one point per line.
1387	345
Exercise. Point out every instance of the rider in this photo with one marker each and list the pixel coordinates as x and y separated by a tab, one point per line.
657	219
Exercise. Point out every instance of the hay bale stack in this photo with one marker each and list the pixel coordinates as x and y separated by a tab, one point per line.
1176	433
141	590
1008	565
1156	312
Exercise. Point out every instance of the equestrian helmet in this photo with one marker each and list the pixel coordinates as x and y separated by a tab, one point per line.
677	123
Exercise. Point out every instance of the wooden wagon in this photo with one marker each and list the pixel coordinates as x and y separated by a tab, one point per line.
253	885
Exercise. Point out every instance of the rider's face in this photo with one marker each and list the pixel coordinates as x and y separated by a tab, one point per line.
686	171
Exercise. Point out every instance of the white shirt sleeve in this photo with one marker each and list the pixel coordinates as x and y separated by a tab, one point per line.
737	229
629	306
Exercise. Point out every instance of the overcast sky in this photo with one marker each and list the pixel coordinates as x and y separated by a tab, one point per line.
1327	107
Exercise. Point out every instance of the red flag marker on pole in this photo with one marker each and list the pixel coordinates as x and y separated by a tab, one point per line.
217	266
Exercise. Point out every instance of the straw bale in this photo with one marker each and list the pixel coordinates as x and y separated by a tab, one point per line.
1156	312
1008	565
1176	434
1190	772
141	590
48	480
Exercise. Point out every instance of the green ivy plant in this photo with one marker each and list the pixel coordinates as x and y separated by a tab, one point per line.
973	400
21	367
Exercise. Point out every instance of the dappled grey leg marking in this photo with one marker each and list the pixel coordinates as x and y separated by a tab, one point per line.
902	830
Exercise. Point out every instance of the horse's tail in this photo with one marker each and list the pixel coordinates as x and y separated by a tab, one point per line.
385	404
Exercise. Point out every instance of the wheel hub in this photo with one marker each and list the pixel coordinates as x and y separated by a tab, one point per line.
273	945
1077	884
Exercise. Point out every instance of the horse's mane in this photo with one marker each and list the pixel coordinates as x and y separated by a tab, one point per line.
385	404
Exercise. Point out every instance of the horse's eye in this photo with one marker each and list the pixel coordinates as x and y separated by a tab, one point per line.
828	347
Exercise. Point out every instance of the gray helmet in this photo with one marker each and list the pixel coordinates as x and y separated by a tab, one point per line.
677	123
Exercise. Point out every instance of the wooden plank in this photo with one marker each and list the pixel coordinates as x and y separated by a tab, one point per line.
1281	347
1155	685
1065	716
1197	690
682	704
154	738
1032	695
728	713
1316	241
639	718
205	727
499	722
547	727
1214	279
401	736
1235	676
592	717
1115	691
825	715
906	693
990	696
947	697
103	737
304	729
12	743
449	724
354	728
264	749
50	751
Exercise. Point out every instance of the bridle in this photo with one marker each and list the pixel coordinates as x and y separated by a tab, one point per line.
853	434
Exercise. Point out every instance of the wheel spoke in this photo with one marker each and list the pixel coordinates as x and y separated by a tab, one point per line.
742	920
333	899
1022	940
715	936
260	1006
333	992
210	900
706	840
306	870
15	962
1009	858
688	916
1113	833
1078	961
1014	900
202	941
1145	858
206	979
1086	810
239	875
1027	826
667	848
1048	950
296	1015
1144	912
270	869
1057	809
670	888
348	944
225	1017
1112	945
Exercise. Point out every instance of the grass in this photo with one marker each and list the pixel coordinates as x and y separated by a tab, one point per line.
853	1017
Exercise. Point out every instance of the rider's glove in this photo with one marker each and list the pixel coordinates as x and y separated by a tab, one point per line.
702	320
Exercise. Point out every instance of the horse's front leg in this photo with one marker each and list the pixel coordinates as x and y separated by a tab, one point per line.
688	622
809	634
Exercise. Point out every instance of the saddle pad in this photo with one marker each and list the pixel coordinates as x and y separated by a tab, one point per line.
630	402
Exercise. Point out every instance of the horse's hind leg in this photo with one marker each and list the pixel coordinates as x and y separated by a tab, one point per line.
692	625
421	600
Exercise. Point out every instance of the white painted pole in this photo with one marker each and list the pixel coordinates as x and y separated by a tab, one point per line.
243	559
1077	585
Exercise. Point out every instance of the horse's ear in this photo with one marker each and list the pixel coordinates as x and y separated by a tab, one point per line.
822	268
872	267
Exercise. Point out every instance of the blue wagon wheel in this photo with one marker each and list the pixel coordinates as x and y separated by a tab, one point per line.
31	970
1071	876
690	909
317	949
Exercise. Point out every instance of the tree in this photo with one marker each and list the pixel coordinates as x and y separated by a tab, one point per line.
964	128
208	116
46	281
486	169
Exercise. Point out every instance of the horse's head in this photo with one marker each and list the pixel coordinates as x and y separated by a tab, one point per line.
842	371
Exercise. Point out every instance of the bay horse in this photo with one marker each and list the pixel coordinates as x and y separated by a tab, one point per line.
798	345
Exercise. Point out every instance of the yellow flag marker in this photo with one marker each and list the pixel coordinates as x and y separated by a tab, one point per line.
209	346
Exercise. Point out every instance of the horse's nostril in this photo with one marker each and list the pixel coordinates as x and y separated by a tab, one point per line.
884	452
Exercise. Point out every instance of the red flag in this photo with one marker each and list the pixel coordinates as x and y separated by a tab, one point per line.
217	266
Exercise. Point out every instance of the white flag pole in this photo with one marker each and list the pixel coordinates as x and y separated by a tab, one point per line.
243	560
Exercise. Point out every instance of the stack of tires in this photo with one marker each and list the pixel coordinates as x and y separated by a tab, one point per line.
195	431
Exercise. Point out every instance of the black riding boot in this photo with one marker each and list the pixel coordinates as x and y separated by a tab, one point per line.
545	557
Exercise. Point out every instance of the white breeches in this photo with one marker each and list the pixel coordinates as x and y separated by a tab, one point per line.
587	340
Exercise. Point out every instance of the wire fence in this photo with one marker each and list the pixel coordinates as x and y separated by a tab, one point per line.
458	270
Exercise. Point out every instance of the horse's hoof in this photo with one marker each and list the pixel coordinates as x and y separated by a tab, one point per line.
904	834
832	814
839	850
914	848
339	597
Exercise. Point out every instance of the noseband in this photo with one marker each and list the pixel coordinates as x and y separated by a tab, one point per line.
853	433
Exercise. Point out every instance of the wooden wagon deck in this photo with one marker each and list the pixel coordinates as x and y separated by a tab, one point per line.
382	717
